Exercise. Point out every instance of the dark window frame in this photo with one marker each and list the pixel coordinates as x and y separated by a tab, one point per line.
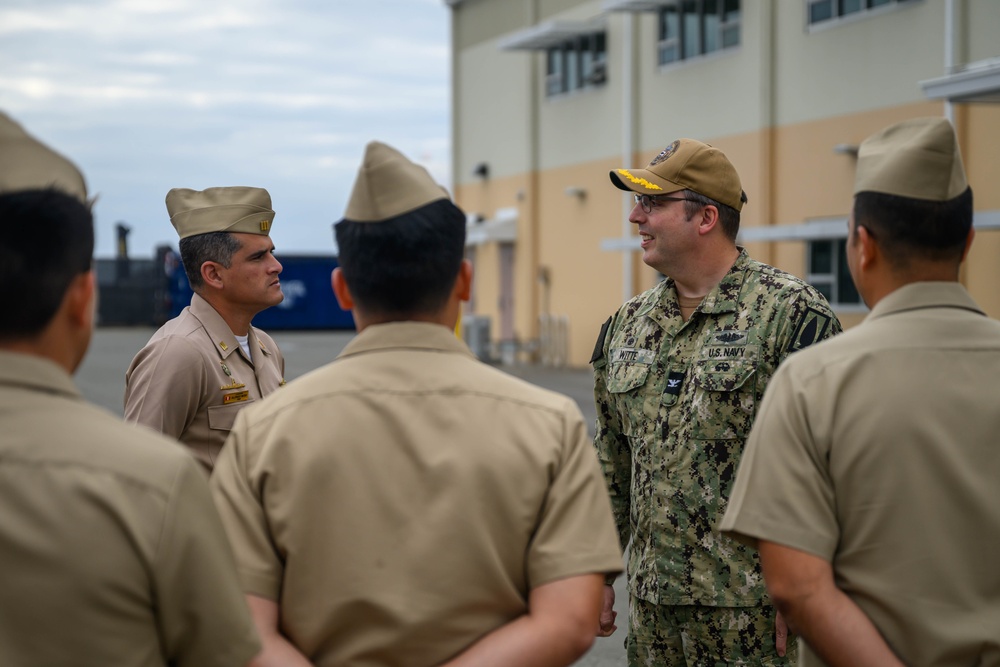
577	63
688	29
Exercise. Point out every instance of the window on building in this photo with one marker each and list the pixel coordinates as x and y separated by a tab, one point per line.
827	10
577	63
690	28
829	274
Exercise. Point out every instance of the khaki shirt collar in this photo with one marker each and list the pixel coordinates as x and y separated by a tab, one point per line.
220	333
36	374
916	296
406	335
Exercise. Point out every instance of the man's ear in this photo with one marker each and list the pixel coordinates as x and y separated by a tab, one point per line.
968	243
463	284
340	290
707	218
211	274
81	300
868	250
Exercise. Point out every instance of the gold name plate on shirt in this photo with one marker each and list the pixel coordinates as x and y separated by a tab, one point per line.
236	398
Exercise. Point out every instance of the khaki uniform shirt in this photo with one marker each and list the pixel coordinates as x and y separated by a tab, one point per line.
402	501
675	401
192	377
111	552
879	452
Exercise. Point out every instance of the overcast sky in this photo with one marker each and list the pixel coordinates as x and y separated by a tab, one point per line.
147	95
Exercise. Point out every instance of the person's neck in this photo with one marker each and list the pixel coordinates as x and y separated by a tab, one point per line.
238	319
703	274
51	344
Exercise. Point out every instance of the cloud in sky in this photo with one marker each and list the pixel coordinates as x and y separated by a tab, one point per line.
146	95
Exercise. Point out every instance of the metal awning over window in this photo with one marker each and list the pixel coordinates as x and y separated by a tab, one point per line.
976	82
636	5
550	34
501	228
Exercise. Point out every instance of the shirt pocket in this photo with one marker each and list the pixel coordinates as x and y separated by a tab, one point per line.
724	400
626	383
221	417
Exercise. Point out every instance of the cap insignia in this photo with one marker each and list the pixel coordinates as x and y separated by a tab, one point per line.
265	225
638	180
665	153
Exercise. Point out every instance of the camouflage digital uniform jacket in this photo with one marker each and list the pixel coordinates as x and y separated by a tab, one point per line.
675	402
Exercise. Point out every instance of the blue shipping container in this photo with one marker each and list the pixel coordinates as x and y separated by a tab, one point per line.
309	302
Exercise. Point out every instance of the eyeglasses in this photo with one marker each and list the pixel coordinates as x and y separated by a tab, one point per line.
648	202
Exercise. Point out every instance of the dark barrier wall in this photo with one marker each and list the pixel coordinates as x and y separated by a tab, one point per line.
309	302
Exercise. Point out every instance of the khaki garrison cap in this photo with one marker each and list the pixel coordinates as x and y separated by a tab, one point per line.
918	158
236	209
389	185
686	164
27	164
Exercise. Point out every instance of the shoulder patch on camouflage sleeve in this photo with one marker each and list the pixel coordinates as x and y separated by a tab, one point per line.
810	329
599	347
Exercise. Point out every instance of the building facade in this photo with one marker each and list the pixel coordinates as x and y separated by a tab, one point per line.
550	95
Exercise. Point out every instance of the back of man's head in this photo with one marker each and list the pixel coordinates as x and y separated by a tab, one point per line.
911	192
48	237
401	241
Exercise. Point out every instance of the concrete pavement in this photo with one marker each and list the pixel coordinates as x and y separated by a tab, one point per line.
101	378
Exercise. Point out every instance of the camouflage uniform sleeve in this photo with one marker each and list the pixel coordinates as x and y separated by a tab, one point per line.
809	319
613	451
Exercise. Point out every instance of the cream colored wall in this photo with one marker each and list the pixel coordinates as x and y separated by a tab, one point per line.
789	169
714	95
981	23
477	21
887	55
491	92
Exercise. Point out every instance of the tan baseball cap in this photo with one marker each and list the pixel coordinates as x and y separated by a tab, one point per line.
917	158
686	164
232	209
389	185
27	164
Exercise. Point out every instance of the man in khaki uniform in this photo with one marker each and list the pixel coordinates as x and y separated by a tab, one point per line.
111	550
208	363
872	476
407	504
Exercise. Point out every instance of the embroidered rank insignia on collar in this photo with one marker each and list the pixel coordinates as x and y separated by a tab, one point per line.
811	329
238	397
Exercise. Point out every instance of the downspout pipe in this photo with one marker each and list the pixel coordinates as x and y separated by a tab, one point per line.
950	40
628	143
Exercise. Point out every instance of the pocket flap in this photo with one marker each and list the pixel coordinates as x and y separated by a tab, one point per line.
221	417
623	377
722	374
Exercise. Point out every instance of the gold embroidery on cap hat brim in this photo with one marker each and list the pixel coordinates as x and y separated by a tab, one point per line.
639	180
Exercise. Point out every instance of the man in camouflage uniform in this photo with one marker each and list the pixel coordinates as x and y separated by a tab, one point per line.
679	371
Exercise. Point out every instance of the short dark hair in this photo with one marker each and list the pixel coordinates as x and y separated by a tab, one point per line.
48	240
908	229
211	247
729	217
404	266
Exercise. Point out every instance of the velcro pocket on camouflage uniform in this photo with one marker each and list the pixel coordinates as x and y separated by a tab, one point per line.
624	377
723	403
